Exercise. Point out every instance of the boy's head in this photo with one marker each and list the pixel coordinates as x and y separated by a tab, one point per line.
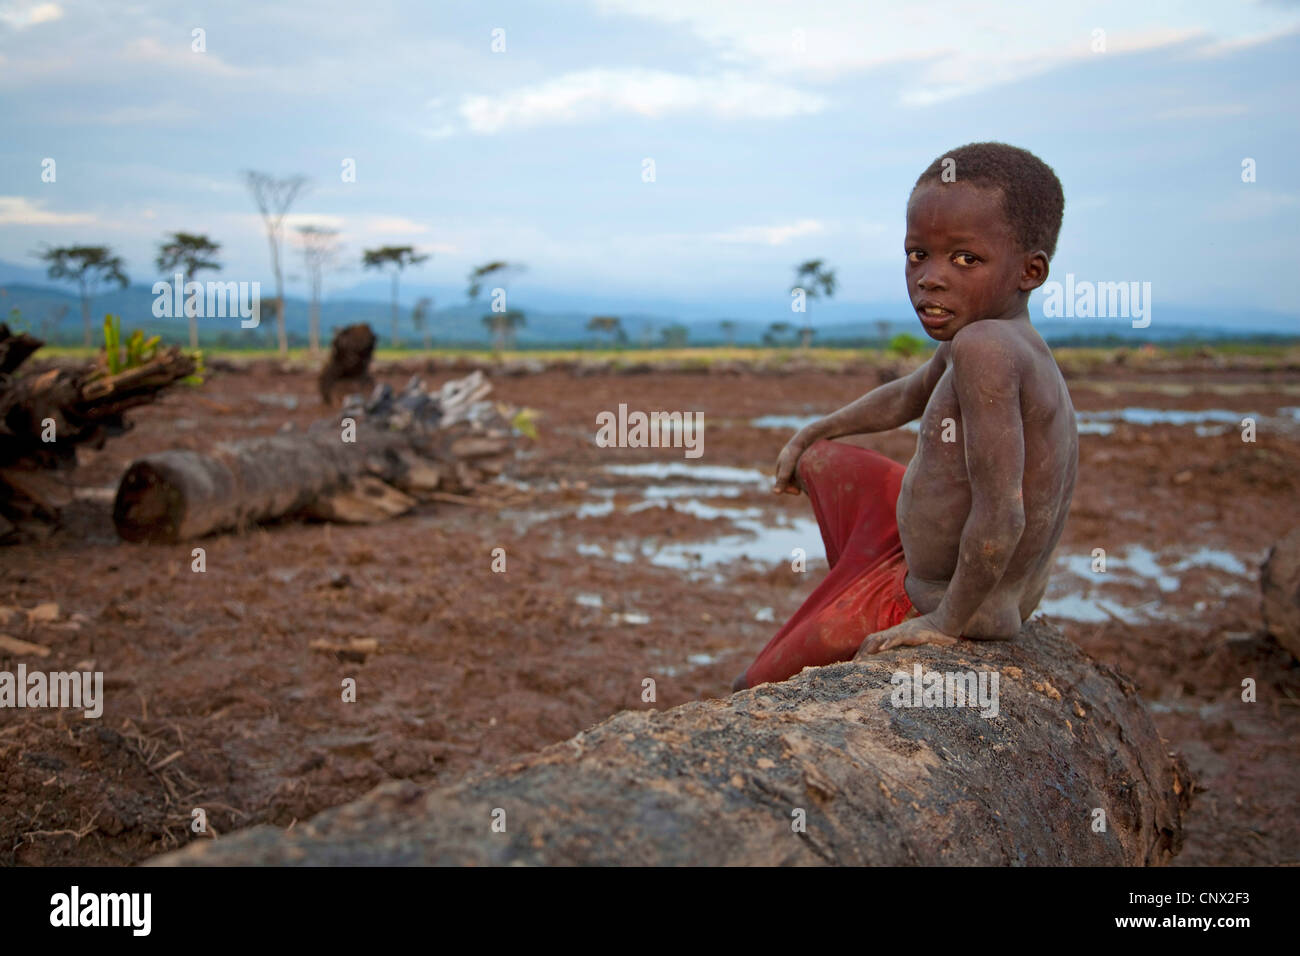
982	223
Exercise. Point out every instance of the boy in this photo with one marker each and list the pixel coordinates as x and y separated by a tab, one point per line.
960	543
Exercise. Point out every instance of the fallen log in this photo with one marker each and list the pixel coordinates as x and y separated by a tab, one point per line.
410	441
1070	772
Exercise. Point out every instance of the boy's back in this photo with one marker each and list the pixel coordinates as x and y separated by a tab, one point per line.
936	499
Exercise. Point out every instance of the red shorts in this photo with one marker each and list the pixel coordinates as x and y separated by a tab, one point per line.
854	494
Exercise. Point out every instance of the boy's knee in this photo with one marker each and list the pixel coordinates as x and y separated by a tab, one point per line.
815	457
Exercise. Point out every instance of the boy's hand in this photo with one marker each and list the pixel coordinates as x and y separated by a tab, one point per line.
787	481
910	633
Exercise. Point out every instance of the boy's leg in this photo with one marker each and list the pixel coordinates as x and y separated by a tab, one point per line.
854	494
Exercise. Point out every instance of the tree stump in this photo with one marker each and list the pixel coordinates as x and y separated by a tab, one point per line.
348	368
1071	772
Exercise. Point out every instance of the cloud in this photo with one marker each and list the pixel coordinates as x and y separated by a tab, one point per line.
179	55
19	211
771	235
951	47
24	14
588	94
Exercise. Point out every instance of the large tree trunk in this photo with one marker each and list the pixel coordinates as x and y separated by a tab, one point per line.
727	781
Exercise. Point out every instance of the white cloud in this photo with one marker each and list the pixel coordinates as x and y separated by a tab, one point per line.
955	48
23	14
19	211
588	94
771	235
178	55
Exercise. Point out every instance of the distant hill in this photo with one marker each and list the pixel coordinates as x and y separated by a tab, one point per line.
556	319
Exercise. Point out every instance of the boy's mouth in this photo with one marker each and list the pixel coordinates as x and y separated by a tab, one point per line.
932	314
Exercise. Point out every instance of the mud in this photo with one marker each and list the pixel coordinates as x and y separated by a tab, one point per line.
216	698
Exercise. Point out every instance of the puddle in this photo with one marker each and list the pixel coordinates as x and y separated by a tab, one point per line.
1141	567
795	422
1209	421
278	399
677	469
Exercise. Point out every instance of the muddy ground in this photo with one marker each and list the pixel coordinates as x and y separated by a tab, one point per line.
216	700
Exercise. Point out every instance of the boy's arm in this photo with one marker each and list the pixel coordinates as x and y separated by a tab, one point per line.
887	406
987	383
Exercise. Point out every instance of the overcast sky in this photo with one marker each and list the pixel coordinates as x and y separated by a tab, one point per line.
778	131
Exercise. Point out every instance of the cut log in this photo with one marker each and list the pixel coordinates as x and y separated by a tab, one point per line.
1279	582
825	768
405	444
177	495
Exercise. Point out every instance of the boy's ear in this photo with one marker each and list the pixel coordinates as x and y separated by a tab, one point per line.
1034	272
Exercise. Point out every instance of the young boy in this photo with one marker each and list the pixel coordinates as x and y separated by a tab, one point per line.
960	543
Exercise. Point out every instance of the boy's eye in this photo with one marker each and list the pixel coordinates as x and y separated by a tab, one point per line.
916	255
965	259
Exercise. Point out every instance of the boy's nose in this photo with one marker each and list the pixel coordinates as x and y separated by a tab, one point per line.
929	281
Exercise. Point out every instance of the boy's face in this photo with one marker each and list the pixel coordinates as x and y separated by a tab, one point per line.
963	262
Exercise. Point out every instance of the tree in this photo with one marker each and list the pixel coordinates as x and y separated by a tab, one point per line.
674	336
399	257
500	271
319	247
89	267
420	315
817	282
882	331
729	330
503	325
776	334
192	253
273	198
608	325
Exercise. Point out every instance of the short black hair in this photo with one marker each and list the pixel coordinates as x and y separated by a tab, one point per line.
1032	197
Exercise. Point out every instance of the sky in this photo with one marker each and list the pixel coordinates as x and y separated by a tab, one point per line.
778	132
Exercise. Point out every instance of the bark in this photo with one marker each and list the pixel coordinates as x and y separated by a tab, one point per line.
722	781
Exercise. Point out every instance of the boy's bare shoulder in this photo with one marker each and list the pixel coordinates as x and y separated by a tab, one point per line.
989	349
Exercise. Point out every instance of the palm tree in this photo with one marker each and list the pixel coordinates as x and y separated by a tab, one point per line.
192	253
502	326
500	321
273	198
607	325
89	267
817	282
399	257
776	332
319	247
729	330
419	316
